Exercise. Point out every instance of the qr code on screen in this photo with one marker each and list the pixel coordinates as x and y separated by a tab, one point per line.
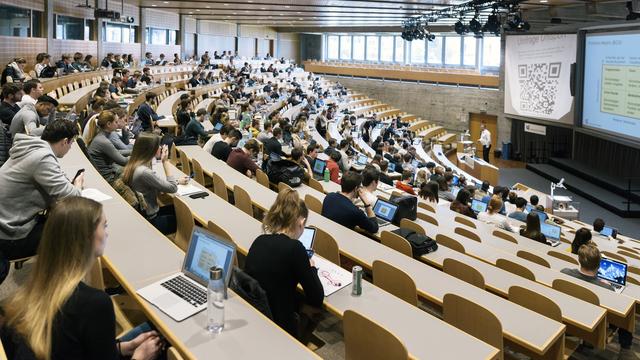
539	85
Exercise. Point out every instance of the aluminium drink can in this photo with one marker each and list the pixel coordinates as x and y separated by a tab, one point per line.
356	286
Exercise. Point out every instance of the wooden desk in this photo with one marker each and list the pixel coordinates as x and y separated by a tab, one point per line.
523	328
124	259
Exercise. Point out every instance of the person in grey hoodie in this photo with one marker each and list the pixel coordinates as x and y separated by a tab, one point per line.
107	159
27	120
30	182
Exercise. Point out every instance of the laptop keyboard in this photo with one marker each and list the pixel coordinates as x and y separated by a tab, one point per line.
186	290
381	221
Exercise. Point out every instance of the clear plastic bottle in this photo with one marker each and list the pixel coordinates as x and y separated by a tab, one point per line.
215	300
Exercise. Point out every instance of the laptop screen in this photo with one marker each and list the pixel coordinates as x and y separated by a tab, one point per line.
613	271
385	210
529	208
454	191
218	126
362	159
550	231
608	231
414	163
318	166
541	215
307	237
207	250
392	167
455	180
478	206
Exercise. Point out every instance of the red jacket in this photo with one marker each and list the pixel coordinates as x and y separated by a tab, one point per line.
334	171
405	187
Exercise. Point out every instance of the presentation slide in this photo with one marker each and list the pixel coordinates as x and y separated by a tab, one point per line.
537	76
612	83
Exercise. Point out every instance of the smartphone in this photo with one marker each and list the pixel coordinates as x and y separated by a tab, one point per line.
80	172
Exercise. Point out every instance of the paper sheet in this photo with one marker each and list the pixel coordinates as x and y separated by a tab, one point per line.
95	194
332	277
187	189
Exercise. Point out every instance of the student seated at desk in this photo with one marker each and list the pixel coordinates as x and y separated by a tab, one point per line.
520	212
340	208
384	176
598	225
55	315
11	95
405	183
195	129
121	137
298	158
208	146
272	145
429	193
370	181
30	182
532	229
140	177
461	204
28	119
222	149
333	167
312	153
147	115
421	177
104	155
279	262
589	258
492	215
345	164
583	236
241	159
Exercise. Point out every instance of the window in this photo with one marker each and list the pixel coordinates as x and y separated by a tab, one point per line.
469	55
120	33
15	21
173	34
333	44
69	28
452	50
358	48
417	51
36	22
491	51
434	51
399	56
386	48
372	48
345	47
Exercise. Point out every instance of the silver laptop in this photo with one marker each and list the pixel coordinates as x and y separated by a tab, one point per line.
614	272
551	232
184	294
384	211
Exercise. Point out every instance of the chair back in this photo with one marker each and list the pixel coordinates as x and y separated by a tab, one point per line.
316	185
326	246
464	221
243	200
515	268
173	155
365	339
262	178
473	319
185	165
173	354
198	172
395	281
467	233
463	272
504	236
614	256
282	186
533	258
629	254
396	242
219	187
426	206
563	256
535	302
410	224
185	222
576	290
428	218
313	204
450	243
219	231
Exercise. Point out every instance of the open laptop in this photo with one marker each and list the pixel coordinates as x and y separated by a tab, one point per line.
455	181
615	272
307	238
454	191
232	114
318	169
392	167
541	215
551	232
384	211
184	294
362	160
415	163
609	231
478	206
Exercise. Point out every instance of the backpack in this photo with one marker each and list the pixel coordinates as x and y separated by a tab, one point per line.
285	171
5	143
250	290
420	244
133	198
47	72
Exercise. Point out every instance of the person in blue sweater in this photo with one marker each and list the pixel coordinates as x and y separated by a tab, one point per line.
339	206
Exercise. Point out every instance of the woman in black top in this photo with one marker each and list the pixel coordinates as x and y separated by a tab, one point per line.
55	315
583	237
183	115
461	204
279	262
532	229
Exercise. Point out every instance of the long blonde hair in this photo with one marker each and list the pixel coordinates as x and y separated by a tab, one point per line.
144	149
65	255
104	118
284	212
495	204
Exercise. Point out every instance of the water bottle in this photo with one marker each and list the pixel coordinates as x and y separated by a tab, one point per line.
215	300
326	175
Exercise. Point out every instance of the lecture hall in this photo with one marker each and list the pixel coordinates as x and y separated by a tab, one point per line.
317	179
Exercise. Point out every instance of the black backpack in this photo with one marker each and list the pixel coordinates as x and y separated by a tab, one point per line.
420	244
250	290
285	171
47	72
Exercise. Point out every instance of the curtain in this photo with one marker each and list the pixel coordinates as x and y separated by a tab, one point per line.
607	156
534	148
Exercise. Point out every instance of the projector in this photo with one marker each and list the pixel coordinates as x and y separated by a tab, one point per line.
108	14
